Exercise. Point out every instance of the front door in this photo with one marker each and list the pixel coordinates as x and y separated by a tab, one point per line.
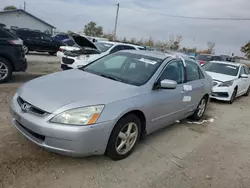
168	105
242	82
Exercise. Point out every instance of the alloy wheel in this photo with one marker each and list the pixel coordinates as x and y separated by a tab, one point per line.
3	71
126	138
25	49
201	107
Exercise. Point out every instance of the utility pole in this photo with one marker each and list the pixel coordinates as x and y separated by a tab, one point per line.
24	5
116	20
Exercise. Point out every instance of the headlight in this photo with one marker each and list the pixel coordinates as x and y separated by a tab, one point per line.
79	116
81	58
226	84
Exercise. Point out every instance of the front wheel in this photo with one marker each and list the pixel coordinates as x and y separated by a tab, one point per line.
124	137
232	99
200	110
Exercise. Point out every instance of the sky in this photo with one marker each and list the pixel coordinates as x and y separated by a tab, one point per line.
228	36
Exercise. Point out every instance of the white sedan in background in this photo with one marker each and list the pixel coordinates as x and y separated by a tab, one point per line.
230	80
70	60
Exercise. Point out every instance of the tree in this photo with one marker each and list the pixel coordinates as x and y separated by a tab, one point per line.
92	29
174	42
210	47
10	7
246	49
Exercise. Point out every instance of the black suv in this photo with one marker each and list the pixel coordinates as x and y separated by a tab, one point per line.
12	57
37	41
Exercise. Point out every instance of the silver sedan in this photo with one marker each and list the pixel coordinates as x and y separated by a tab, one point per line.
108	105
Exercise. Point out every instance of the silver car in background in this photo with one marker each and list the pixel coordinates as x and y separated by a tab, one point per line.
108	105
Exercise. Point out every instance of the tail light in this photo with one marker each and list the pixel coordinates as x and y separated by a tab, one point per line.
202	62
60	50
16	42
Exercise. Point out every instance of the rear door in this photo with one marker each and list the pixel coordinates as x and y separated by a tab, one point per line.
194	85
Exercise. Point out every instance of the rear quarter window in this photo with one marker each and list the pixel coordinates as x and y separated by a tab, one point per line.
6	34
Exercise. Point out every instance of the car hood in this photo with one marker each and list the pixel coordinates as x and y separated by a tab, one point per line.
54	91
221	77
83	41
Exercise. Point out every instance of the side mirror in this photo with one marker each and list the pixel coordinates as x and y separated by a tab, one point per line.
168	84
244	76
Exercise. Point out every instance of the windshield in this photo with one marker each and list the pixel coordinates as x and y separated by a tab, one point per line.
222	68
204	57
125	67
103	46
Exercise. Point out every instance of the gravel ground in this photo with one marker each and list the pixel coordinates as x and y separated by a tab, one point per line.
183	155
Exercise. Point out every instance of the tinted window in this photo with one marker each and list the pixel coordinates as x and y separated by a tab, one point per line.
217	58
116	49
128	48
221	68
193	72
125	67
204	57
45	37
174	71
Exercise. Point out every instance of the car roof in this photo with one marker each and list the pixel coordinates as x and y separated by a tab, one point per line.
227	63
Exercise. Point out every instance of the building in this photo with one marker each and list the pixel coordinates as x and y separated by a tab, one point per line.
22	19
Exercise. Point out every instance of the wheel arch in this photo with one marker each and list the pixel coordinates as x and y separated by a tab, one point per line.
8	59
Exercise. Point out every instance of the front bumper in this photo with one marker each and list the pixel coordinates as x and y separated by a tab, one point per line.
63	139
222	93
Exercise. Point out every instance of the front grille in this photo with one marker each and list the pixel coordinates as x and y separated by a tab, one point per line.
32	109
220	94
68	60
36	135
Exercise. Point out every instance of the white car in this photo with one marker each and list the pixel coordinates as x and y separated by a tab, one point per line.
75	43
230	80
72	61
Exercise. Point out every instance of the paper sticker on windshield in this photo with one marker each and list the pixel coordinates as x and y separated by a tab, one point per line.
148	61
231	67
187	87
107	45
186	99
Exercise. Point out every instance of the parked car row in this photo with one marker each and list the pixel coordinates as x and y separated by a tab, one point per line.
204	58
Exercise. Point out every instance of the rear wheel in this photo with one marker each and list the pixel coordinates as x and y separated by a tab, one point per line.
5	70
200	110
248	91
233	96
124	137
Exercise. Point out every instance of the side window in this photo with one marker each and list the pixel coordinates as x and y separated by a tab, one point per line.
246	70
193	71
242	71
115	63
173	71
128	48
45	37
116	49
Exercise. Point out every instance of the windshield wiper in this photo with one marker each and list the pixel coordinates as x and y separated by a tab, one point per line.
109	77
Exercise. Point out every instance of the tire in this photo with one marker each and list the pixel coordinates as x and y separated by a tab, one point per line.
233	96
52	53
121	134
5	70
200	110
26	49
248	91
